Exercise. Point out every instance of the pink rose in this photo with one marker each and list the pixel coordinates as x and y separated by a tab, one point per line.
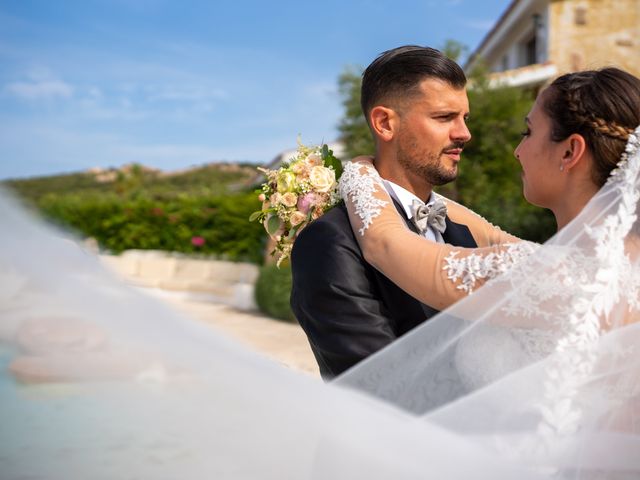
306	201
288	199
314	160
297	218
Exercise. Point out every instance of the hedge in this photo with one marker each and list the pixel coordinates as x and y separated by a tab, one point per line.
273	289
185	223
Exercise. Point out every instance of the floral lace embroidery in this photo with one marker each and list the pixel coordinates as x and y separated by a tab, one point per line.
359	184
472	268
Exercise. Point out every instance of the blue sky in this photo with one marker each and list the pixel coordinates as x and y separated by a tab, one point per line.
172	84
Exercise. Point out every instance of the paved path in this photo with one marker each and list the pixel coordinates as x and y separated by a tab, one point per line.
282	341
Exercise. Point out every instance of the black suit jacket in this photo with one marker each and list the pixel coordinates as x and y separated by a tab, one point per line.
347	308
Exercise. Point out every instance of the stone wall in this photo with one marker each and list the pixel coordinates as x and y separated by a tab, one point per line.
220	281
588	34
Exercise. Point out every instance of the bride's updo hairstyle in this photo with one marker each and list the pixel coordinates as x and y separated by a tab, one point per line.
601	105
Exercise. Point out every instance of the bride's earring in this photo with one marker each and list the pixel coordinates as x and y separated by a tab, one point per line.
561	167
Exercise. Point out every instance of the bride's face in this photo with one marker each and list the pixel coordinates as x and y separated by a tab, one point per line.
540	158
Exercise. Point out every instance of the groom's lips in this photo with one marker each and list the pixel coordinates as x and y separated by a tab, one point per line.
453	153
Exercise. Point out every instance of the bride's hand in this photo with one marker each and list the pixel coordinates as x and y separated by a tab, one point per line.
364	159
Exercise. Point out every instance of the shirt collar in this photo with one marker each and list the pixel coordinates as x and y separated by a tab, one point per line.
404	197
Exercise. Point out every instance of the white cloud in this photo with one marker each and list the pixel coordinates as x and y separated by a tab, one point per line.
41	89
193	93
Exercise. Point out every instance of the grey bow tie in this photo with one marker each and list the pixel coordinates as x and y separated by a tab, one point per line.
430	215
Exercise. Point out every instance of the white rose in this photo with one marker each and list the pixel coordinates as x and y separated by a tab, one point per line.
322	179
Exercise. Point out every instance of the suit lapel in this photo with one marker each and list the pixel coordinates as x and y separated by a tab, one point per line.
458	235
403	214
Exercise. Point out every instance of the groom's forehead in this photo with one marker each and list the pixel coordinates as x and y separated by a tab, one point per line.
438	93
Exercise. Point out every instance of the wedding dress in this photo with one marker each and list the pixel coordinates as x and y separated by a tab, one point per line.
532	375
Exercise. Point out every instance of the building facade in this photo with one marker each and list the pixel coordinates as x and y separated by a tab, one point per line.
534	41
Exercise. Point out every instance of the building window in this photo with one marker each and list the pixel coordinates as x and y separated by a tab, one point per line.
580	16
531	56
504	63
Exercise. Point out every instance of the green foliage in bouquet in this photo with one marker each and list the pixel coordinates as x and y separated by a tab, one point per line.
273	289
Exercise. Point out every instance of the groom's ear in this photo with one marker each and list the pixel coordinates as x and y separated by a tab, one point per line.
383	121
576	147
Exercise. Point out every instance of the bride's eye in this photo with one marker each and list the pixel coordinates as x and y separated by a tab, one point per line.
526	133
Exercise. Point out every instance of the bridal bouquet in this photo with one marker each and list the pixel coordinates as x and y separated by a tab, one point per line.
295	194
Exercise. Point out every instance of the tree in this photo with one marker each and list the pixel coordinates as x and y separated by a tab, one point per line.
489	180
354	131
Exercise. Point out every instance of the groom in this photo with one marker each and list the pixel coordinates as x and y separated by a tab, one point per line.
415	103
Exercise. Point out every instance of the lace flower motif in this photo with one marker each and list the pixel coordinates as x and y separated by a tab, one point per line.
359	183
472	268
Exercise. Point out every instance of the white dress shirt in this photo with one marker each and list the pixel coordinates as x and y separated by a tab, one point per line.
405	198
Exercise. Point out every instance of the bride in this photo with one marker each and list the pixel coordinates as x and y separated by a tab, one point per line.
534	375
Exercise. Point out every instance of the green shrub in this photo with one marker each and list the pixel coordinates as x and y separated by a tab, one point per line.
273	289
188	223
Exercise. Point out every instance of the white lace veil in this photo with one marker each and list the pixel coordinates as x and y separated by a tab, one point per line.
543	363
536	375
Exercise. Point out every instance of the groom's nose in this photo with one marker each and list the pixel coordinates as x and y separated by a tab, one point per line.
460	131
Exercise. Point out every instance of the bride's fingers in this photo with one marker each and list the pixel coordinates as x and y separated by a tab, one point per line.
368	159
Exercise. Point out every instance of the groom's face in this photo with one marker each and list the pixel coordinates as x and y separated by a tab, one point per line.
433	131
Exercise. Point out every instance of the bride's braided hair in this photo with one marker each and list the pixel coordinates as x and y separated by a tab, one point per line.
601	105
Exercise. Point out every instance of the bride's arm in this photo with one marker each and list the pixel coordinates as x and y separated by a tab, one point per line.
484	233
437	274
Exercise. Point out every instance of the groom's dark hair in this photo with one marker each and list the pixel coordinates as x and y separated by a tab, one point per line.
396	74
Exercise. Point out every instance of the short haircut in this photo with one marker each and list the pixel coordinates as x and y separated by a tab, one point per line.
397	73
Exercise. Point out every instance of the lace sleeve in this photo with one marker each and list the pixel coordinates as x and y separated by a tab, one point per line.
437	274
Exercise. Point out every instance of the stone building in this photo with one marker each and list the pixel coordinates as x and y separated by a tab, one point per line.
534	41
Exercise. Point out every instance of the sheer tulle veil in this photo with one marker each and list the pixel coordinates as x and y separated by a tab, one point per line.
535	375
